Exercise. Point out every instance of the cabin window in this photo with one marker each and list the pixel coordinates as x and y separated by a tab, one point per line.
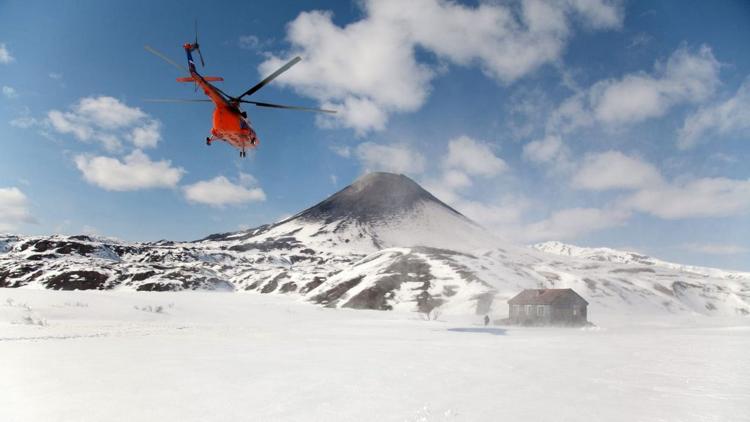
528	309
540	310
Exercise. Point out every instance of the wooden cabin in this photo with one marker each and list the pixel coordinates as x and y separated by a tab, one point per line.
548	307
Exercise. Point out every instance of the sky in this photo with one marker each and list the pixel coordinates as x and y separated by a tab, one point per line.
623	124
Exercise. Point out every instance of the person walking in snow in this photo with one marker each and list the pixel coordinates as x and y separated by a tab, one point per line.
486	320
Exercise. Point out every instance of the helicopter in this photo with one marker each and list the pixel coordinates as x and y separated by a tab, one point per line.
230	122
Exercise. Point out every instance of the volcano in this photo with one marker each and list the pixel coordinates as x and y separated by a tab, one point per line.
377	211
373	198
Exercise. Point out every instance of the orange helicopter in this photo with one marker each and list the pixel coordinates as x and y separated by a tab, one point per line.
230	123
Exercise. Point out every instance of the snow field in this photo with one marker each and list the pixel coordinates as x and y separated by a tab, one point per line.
109	355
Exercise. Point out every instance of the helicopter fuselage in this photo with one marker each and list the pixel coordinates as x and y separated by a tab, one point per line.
230	123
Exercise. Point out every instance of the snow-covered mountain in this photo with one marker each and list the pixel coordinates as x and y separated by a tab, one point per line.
624	257
381	243
378	210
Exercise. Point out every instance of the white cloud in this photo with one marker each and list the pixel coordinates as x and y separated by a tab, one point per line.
507	215
600	13
14	209
107	112
247	179
396	158
473	157
716	248
109	141
507	218
455	179
549	150
448	186
69	123
504	44
543	150
249	42
135	172
572	113
504	217
523	108
441	190
5	56
507	41
342	150
9	92
574	222
687	77
108	121
724	158
640	39
55	76
25	122
361	114
466	159
254	43
677	199
721	119
508	211
706	197
220	191
363	83
146	136
615	170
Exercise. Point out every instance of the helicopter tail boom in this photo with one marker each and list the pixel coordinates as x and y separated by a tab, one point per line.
206	78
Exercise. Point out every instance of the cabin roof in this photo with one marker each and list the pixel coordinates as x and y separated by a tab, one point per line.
542	296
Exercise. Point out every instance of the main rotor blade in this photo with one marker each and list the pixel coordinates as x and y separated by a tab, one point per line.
287	107
226	96
165	58
175	100
271	77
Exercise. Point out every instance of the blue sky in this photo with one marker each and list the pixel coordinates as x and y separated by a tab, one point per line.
599	123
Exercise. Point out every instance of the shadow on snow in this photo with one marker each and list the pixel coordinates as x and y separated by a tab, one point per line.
493	331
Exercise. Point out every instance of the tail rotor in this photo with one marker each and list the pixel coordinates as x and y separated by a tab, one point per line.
197	46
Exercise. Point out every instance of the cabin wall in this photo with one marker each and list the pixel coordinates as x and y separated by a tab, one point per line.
538	315
565	311
569	312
